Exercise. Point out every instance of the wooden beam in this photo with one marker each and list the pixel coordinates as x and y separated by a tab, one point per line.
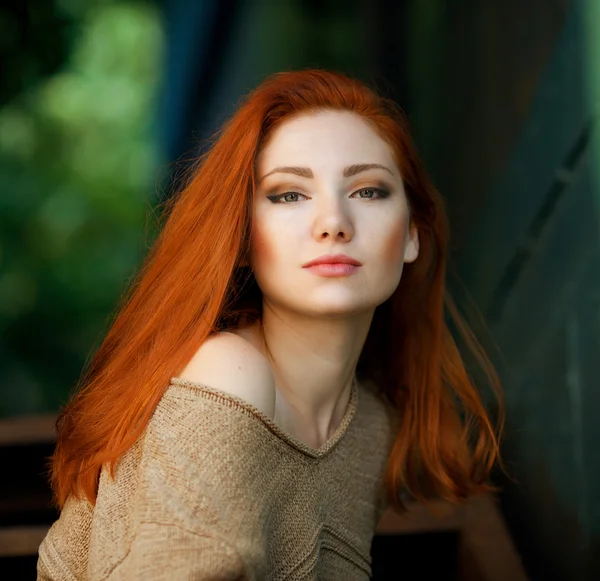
420	519
37	429
21	541
486	550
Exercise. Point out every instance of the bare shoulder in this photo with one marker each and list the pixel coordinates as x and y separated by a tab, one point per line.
230	363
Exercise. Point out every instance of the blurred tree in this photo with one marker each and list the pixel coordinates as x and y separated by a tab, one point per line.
34	43
77	167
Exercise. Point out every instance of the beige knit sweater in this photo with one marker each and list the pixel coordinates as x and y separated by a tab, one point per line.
215	490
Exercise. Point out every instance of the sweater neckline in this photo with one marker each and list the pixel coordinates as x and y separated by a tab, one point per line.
246	407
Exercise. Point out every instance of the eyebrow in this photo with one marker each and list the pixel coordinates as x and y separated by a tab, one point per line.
305	172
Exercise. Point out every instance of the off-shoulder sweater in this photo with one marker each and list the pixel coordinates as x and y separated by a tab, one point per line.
215	490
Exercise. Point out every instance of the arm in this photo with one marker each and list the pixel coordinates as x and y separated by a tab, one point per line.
191	517
172	512
166	535
174	508
158	552
161	552
62	555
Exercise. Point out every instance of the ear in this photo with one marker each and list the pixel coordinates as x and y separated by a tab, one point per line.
411	250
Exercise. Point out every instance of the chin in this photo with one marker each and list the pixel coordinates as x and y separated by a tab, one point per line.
337	309
350	300
331	303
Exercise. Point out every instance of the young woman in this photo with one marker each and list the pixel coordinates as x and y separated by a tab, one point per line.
281	371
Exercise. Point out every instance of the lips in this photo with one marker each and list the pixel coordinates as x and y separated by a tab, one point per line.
333	259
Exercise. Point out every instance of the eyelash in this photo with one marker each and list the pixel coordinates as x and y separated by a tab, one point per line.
382	195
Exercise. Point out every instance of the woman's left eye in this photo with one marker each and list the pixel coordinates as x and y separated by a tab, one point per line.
371	191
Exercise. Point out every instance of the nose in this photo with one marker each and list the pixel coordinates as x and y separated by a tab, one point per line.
332	221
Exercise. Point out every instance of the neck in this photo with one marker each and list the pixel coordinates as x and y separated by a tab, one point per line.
313	362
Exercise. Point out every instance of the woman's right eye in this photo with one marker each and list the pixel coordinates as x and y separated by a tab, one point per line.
275	199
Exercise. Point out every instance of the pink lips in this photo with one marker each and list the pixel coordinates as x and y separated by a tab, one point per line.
333	265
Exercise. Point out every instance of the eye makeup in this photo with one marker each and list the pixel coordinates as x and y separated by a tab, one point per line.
382	191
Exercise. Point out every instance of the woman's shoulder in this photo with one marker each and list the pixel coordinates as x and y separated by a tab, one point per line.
231	363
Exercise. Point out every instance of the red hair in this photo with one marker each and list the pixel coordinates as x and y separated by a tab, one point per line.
193	283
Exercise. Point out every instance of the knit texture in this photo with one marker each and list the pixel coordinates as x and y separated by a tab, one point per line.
215	490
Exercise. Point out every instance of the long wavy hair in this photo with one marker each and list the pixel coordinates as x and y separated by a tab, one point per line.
195	282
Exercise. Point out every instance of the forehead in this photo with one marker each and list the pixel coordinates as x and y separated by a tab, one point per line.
323	139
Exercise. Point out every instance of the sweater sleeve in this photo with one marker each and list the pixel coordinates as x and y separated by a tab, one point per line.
162	552
157	552
178	506
62	555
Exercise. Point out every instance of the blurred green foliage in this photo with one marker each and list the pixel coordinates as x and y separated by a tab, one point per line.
79	162
78	167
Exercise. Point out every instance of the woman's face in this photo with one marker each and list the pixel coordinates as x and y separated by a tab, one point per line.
316	196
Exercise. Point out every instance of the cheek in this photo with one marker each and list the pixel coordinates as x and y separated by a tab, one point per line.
393	248
264	243
261	249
